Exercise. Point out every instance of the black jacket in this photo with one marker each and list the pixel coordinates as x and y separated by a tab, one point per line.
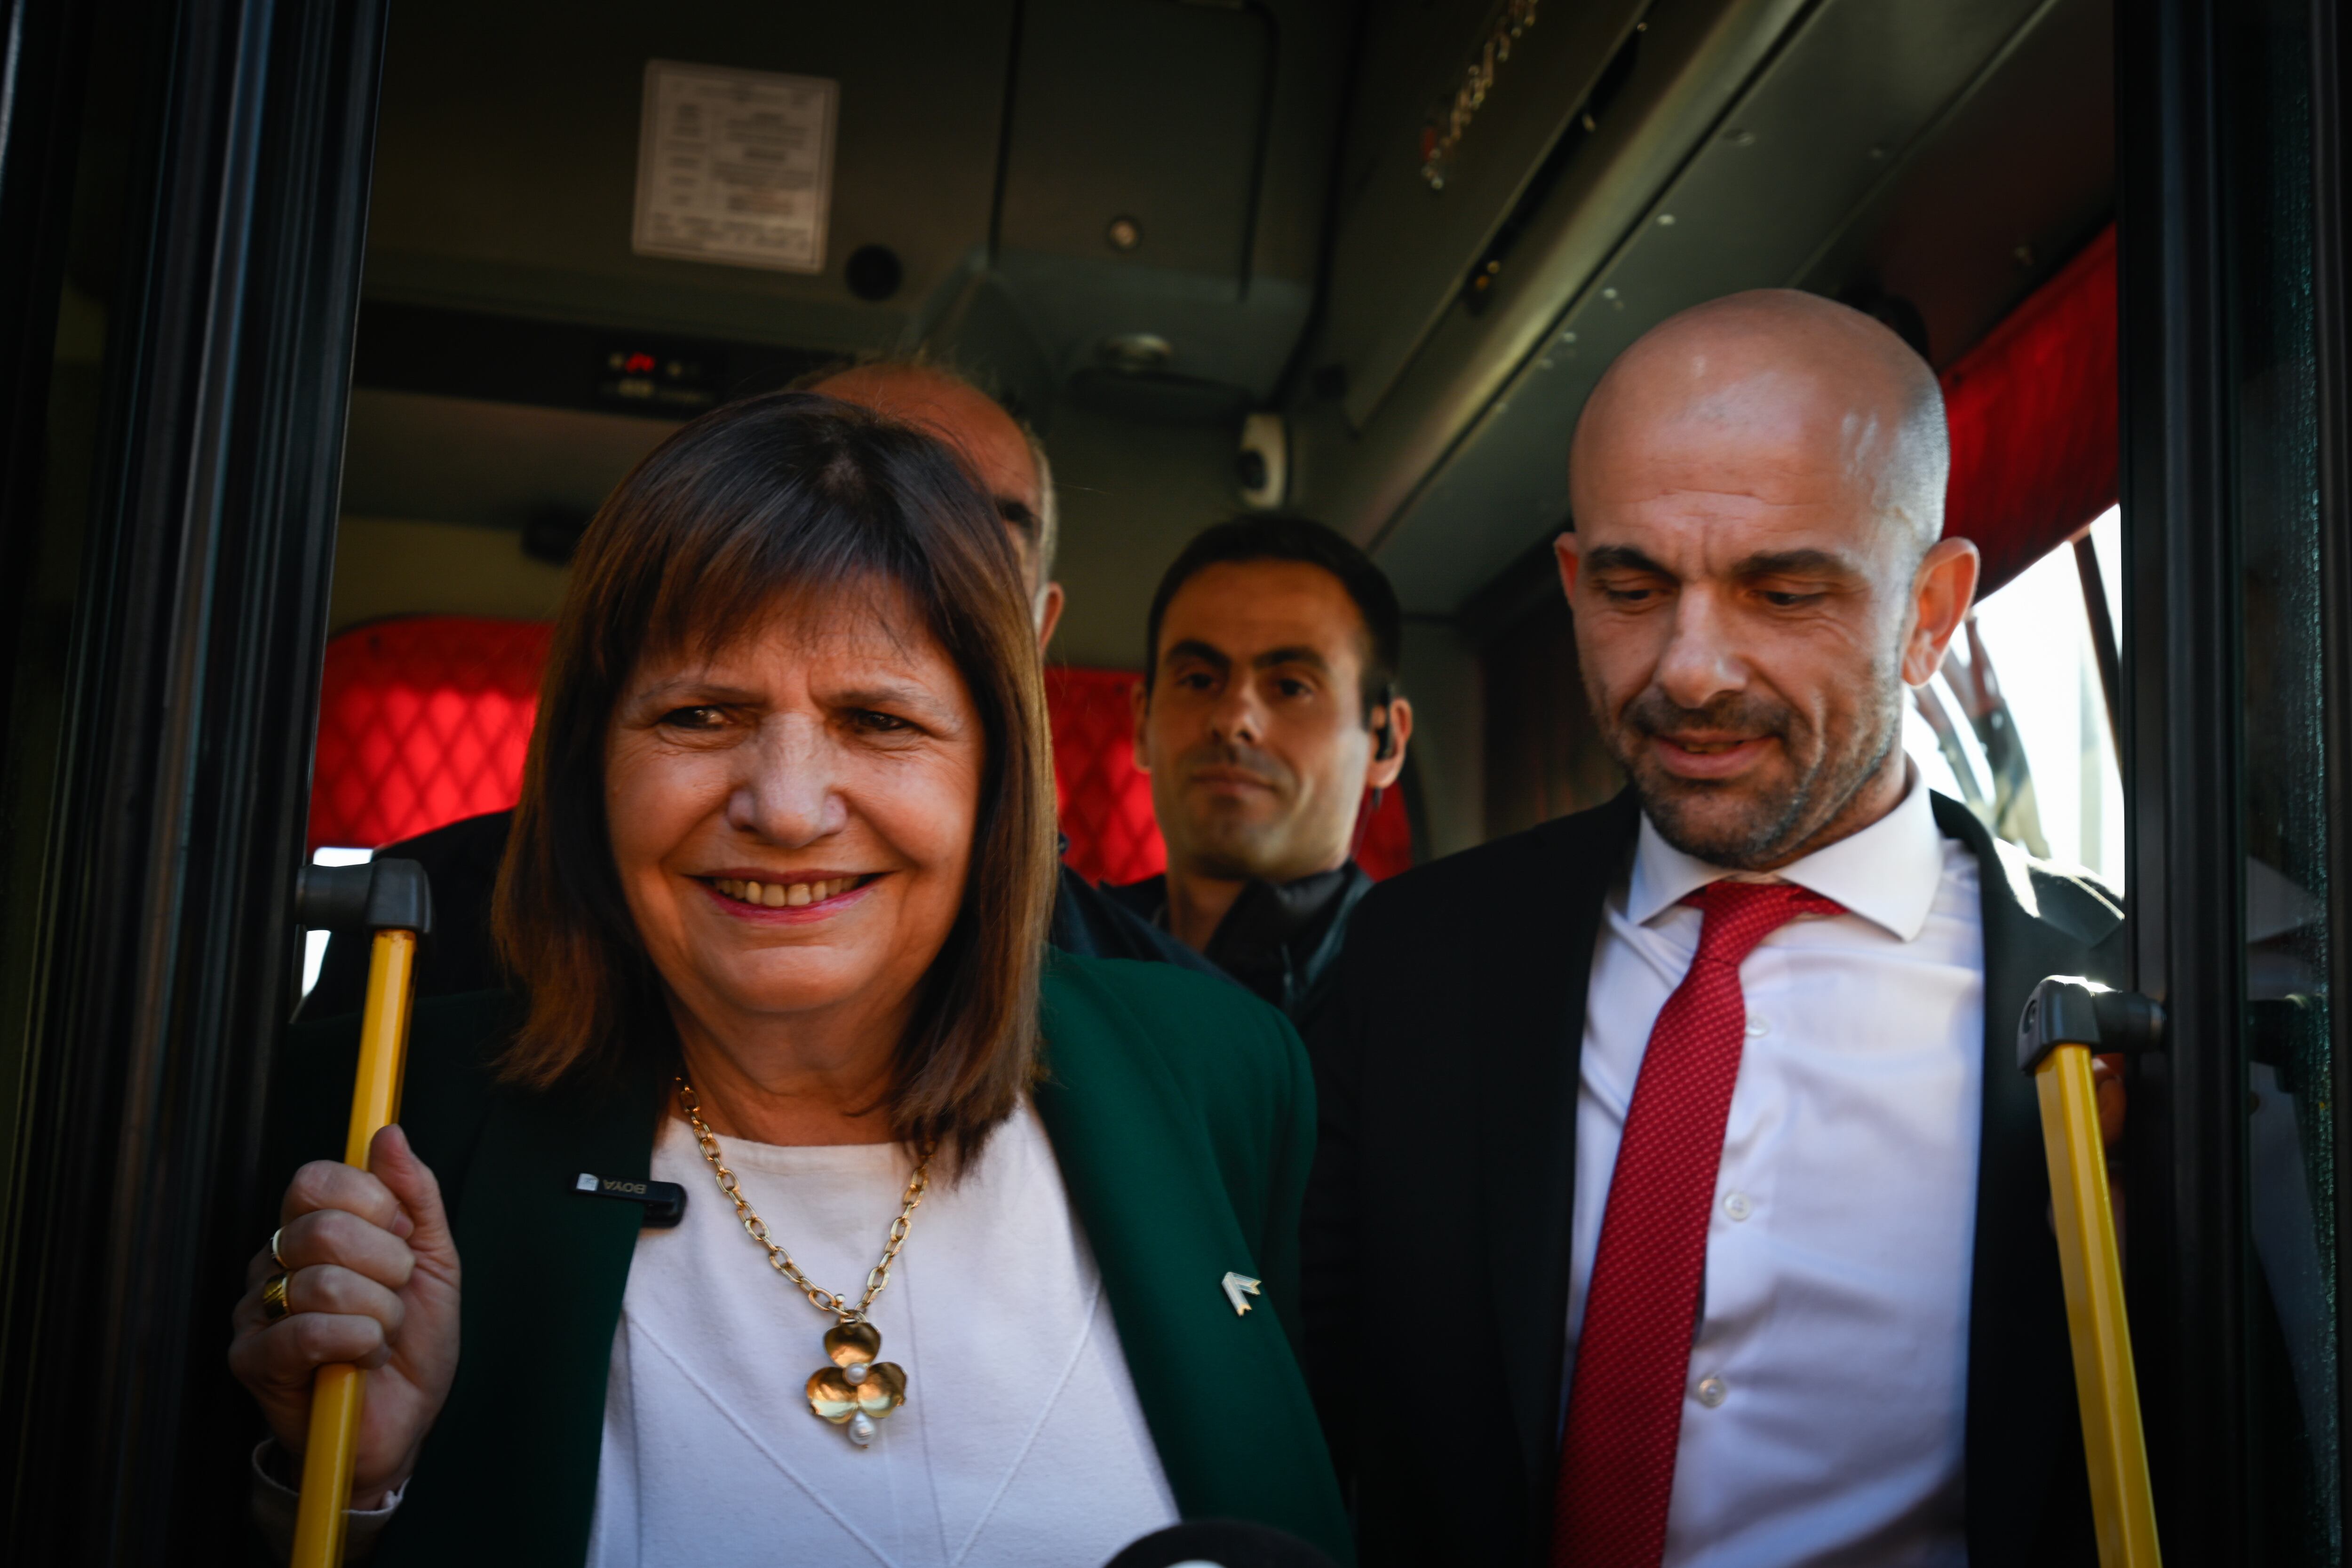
1092	923
1438	1219
461	862
1281	940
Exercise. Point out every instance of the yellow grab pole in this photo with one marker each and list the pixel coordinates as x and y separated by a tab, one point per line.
336	1397
2122	1505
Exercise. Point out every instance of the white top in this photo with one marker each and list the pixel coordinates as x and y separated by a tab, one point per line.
1824	1421
1021	1442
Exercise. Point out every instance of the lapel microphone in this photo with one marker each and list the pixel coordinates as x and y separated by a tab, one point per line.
664	1201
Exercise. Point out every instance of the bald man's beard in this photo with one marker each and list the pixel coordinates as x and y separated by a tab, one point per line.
1772	815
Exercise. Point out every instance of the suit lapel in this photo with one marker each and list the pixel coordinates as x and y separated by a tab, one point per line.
513	1456
1528	1005
2020	1387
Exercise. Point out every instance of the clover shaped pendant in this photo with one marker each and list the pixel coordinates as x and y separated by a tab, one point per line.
857	1388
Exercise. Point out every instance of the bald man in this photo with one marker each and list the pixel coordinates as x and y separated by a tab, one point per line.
1679	1199
1009	462
1003	453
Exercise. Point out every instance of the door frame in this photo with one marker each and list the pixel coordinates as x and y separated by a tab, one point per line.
164	941
2190	1260
2331	65
2181	744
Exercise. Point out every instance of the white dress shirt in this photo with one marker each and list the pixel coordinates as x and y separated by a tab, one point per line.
1824	1413
1021	1443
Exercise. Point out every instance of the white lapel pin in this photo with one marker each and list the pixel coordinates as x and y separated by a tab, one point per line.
1238	1286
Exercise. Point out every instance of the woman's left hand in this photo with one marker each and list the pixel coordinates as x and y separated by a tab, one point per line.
372	1281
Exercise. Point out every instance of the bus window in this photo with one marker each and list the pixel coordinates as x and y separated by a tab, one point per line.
2018	725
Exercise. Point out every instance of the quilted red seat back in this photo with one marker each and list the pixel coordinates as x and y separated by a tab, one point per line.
425	719
1106	800
422	720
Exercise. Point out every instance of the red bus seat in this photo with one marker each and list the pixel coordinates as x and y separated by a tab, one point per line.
422	720
425	719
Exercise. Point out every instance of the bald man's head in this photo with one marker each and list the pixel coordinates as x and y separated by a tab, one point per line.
1749	388
1003	453
1758	486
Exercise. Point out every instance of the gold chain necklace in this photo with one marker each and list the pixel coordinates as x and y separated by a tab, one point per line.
855	1386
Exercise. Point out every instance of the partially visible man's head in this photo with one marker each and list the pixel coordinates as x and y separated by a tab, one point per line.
1758	492
1003	455
1268	705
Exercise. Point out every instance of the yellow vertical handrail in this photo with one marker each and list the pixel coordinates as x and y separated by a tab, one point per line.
2123	1506
337	1395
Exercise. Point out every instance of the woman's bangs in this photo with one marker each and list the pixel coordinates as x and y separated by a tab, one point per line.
720	585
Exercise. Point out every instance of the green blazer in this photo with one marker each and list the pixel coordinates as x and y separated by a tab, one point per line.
1181	1113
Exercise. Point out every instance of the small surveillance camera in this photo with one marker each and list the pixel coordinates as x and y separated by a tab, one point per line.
1263	465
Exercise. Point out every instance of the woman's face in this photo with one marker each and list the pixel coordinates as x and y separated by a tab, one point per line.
792	818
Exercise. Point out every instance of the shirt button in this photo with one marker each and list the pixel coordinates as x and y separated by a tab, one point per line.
1757	1026
1711	1392
1737	1205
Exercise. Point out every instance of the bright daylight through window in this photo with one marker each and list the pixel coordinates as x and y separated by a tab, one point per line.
314	943
2016	724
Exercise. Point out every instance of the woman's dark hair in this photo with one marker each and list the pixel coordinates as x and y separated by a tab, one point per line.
744	506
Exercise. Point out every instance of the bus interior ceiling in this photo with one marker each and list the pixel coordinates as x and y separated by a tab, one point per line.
1143	220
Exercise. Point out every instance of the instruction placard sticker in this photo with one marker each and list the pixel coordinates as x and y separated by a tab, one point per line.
735	166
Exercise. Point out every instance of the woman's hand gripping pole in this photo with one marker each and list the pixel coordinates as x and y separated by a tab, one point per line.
390	901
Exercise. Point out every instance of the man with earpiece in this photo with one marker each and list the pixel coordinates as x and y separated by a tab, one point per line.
1269	720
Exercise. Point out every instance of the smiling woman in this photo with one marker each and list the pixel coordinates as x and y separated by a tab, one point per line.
796	652
776	902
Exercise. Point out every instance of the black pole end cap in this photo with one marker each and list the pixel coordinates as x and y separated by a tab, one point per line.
382	895
2067	1009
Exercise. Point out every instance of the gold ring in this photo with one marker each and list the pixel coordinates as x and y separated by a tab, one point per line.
273	1298
275	1256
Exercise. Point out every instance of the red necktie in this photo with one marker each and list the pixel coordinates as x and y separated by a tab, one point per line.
1633	1359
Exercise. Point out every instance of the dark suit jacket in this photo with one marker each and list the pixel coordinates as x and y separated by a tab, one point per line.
1438	1220
461	862
1182	1114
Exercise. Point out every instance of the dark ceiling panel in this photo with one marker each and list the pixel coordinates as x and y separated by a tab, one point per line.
506	179
489	465
555	364
1140	111
1402	243
1692	59
1999	197
1853	102
1165	183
